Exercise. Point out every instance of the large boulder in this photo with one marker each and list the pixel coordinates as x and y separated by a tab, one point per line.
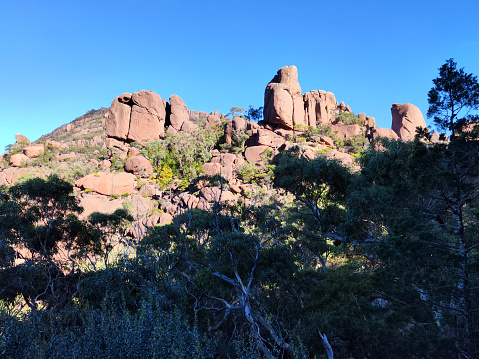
148	114
108	183
320	108
136	117
117	122
17	159
179	113
97	203
139	165
283	102
21	140
34	151
383	132
253	154
406	117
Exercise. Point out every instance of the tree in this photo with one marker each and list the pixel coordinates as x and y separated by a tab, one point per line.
41	241
236	111
428	208
320	187
454	98
254	114
238	268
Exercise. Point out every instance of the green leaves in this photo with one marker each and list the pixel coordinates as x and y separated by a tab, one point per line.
454	95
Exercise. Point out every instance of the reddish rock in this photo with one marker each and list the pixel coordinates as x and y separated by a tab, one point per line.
253	154
66	156
383	132
211	168
179	112
188	126
21	139
328	141
111	142
133	151
192	202
212	121
152	220
17	159
148	190
228	134
370	122
108	183
215	194
139	165
346	131
96	203
34	151
105	164
320	107
117	122
165	218
54	144
283	102
406	117
93	162
239	124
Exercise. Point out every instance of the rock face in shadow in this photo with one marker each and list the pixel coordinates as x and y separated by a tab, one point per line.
406	117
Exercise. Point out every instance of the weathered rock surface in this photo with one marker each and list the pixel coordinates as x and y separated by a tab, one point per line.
17	159
406	117
320	107
136	117
34	150
108	183
139	165
179	113
283	102
117	121
383	132
253	154
98	203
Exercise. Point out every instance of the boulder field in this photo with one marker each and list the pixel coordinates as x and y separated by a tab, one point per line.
144	116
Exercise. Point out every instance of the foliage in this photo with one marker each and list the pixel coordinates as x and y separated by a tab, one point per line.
152	331
183	153
254	114
348	118
454	98
320	187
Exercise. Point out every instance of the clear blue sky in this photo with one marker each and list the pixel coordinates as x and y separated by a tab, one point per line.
59	59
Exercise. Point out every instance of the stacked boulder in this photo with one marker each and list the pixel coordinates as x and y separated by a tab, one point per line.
142	116
406	118
283	101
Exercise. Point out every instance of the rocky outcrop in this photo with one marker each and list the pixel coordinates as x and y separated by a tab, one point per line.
406	117
139	165
136	117
283	102
179	116
320	108
17	159
108	183
34	150
21	140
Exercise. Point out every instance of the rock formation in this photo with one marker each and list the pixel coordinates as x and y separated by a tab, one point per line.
320	108
283	102
406	117
136	117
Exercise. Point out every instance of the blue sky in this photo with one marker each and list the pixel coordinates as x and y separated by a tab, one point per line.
59	59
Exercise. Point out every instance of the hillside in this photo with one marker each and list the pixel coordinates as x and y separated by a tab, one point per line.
298	229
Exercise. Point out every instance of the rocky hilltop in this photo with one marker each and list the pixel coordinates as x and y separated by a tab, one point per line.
157	158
